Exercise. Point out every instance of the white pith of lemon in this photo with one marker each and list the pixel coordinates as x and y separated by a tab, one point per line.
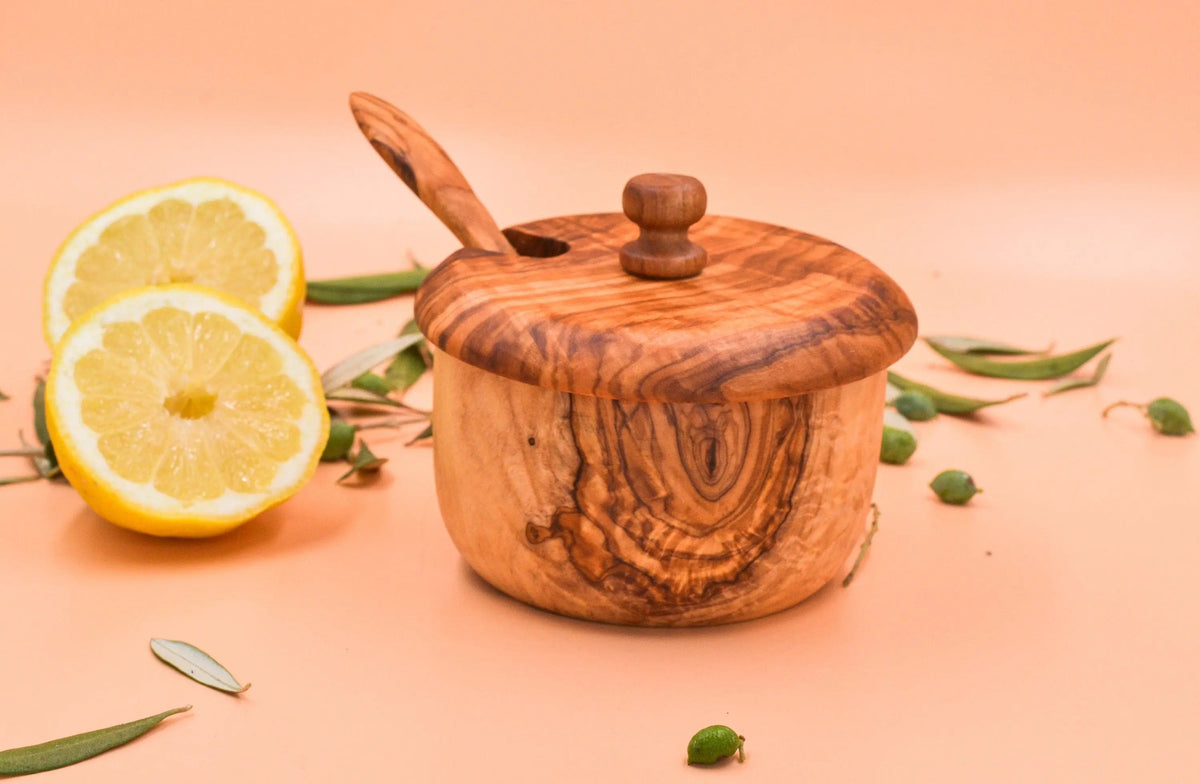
179	411
204	230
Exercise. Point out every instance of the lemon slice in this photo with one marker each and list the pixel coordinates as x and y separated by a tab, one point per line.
178	411
205	231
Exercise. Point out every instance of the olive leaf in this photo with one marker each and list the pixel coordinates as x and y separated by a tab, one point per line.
341	374
2	395
47	465
196	664
39	413
360	289
1080	383
364	462
946	403
42	457
978	346
342	434
424	435
1023	370
866	545
372	382
76	748
410	364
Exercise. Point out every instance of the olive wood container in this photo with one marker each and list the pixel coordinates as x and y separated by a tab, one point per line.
638	427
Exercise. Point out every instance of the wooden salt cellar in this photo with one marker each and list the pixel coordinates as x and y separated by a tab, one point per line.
639	424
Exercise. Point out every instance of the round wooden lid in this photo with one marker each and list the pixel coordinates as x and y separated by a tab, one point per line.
597	306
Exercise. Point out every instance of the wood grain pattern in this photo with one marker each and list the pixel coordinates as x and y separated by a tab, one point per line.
776	313
652	513
428	171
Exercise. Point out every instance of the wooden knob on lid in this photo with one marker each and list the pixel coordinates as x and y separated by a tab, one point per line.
664	206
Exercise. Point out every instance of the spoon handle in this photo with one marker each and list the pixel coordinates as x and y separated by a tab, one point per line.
428	171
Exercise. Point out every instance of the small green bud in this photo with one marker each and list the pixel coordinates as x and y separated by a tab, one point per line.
715	743
915	406
341	439
1169	417
954	487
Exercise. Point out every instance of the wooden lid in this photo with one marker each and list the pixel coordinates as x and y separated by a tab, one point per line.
772	313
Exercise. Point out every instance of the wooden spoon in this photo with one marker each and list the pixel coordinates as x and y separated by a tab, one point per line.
428	171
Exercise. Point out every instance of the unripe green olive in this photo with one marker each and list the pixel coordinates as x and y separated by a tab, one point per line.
1169	417
341	439
915	406
954	487
715	743
899	442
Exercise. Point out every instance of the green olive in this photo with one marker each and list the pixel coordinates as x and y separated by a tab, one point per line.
715	743
899	442
954	487
1167	416
915	406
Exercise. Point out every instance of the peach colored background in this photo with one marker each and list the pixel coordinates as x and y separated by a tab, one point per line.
1026	170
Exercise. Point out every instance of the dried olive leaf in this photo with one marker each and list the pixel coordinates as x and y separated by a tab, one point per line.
359	289
16	480
348	369
364	462
363	397
1023	370
866	545
42	457
979	346
1080	383
946	403
24	451
196	664
76	748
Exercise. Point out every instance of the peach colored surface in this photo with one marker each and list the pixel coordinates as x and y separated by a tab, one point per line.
1027	171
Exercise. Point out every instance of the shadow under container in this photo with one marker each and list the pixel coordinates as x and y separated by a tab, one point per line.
636	426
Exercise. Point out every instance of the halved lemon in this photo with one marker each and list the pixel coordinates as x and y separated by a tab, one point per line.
204	230
179	411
